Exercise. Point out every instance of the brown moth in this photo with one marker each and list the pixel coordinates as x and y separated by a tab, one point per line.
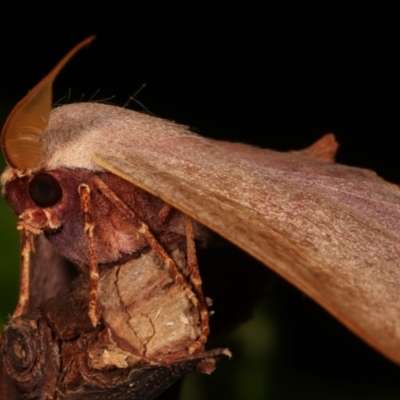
67	205
329	229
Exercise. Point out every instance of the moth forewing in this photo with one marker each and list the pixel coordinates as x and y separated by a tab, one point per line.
329	229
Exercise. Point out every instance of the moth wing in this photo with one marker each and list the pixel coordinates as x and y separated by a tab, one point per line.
329	229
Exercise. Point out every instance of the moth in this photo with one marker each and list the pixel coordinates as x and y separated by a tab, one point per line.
103	183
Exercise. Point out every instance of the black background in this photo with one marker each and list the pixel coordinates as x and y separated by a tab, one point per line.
274	76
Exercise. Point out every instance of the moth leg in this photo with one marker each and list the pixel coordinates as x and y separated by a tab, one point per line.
27	247
164	213
196	282
84	194
143	229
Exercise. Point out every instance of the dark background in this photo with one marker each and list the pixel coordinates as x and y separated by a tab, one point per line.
274	76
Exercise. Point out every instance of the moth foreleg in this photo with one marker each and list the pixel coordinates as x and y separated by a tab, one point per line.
196	282
27	247
84	194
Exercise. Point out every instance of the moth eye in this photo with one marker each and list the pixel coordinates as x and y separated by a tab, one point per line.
45	190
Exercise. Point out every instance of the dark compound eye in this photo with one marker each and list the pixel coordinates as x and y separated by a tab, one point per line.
45	190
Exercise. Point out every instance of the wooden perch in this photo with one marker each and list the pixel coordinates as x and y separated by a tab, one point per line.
139	349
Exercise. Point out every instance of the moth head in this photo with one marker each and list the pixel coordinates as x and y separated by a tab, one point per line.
21	143
49	155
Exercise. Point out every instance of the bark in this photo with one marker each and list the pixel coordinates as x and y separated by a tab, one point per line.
137	351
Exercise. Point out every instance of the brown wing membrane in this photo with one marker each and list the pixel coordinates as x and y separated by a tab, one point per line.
330	230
